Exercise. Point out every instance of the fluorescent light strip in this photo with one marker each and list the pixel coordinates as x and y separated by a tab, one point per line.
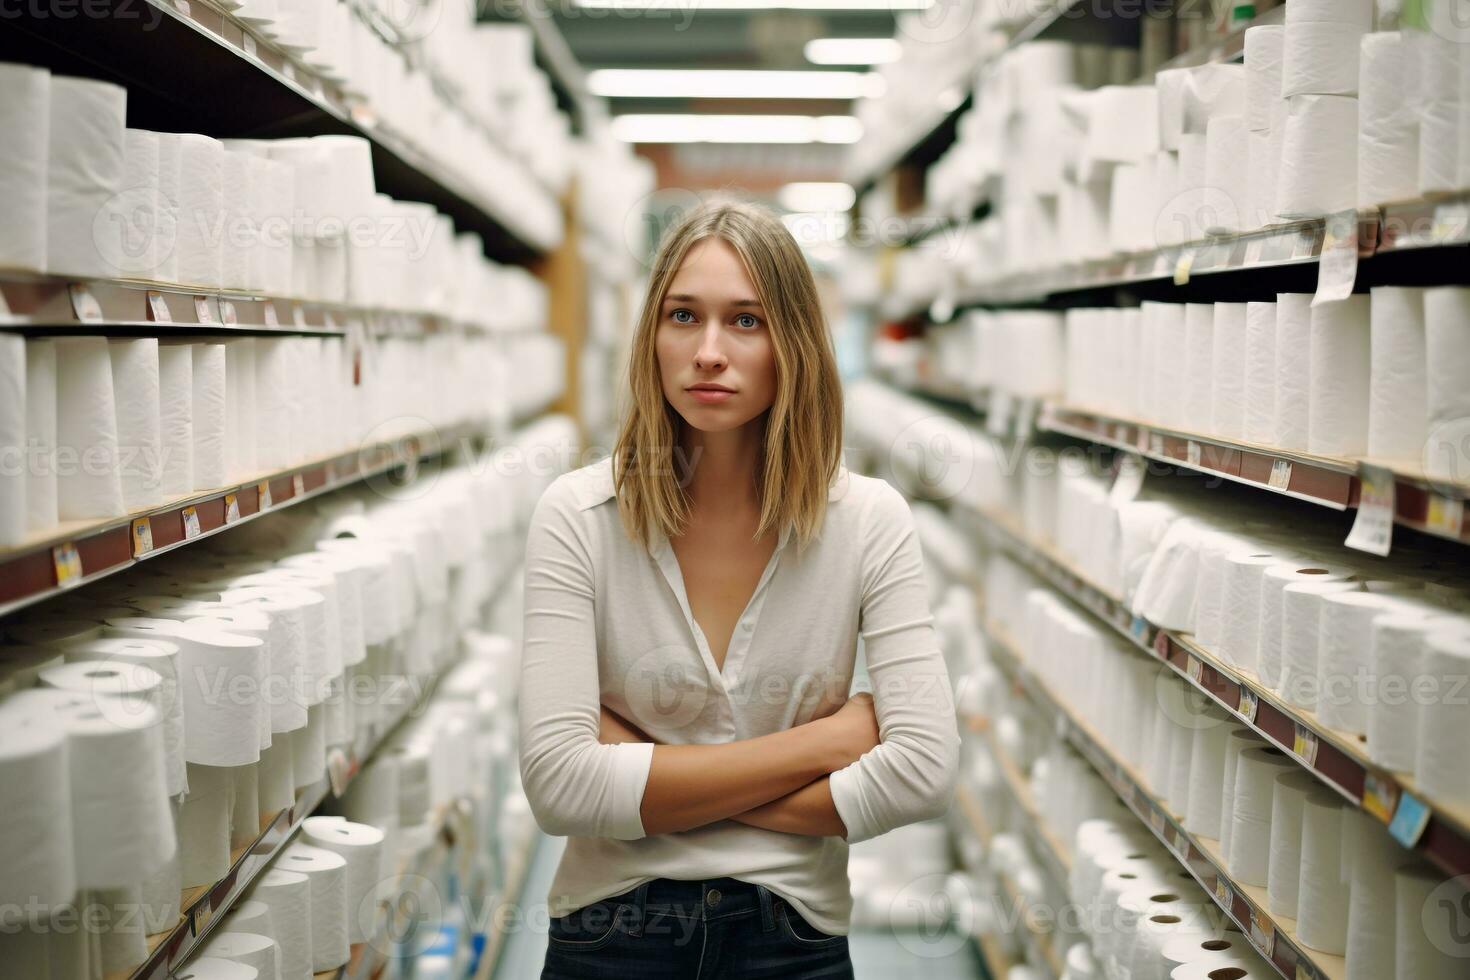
689	8
695	128
679	83
852	50
816	196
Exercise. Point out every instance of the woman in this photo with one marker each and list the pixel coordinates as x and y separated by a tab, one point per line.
684	718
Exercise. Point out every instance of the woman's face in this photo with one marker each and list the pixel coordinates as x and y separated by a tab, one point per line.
712	331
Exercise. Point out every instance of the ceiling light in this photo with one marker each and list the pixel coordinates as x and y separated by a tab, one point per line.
816	196
853	50
694	128
678	83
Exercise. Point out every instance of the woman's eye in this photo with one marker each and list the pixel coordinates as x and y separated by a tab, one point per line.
677	314
746	320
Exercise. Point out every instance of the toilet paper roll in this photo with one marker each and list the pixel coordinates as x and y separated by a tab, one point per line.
1388	123
85	167
236	269
1236	742
249	949
1250	826
1243	575
1322	901
176	417
1398	410
248	622
1213	90
240	408
1268	659
1283	874
1229	948
40	432
1209	617
412	762
290	672
1429	942
250	915
1370	929
1446	333
1206	778
1437	96
1199	357
1293	370
162	657
120	943
163	890
326	874
201	208
361	846
1397	658
210	404
1170	85
135	384
336	612
1227	400
1264	151
88	485
1152	935
1340	378
1226	968
204	825
353	576
1344	656
170	163
36	861
13	477
1319	157
126	234
131	688
1320	58
309	748
1263	52
1227	175
1439	764
288	894
320	647
26	113
276	780
213	968
1301	630
245	817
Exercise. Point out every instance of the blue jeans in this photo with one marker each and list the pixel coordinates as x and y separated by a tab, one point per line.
670	929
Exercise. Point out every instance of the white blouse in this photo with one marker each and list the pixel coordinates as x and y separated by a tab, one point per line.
605	623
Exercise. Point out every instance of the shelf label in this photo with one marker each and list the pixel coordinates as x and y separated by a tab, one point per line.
298	316
298	485
232	508
249	43
1304	744
1192	453
1451	222
1446	515
84	304
1156	820
1409	820
1253	250
191	523
1280	474
1248	705
227	313
203	912
1373	527
1222	892
1263	934
271	319
1337	270
1138	629
1195	670
264	489
1161	644
1182	267
1155	444
142	537
1380	796
158	310
202	310
68	564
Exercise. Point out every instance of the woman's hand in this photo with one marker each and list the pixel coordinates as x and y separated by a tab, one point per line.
613	729
851	730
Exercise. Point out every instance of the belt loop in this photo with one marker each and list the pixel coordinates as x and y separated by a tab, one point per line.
639	905
768	914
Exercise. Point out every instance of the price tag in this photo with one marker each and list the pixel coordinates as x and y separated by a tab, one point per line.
68	564
232	508
202	309
158	310
1280	474
1253	250
269	312
1195	670
249	43
1380	796
84	304
1373	527
298	485
298	316
1451	222
1155	444
1446	515
142	537
1192	453
1409	820
1304	745
191	523
1263	934
1138	629
1129	481
1182	267
1337	270
264	490
1161	644
227	313
1120	433
1248	705
1156	820
203	912
1222	892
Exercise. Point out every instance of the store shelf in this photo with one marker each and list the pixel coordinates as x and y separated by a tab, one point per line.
1041	951
1274	937
1337	759
81	552
516	876
190	67
1058	857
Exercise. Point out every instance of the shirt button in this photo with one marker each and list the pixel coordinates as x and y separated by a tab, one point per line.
712	897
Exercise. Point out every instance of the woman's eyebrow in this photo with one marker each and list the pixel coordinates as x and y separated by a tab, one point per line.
687	298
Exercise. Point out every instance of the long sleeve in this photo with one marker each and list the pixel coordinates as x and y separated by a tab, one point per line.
911	775
577	786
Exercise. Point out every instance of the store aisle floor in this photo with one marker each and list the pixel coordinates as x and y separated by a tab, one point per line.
877	954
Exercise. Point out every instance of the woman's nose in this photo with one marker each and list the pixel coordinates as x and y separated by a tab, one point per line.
709	354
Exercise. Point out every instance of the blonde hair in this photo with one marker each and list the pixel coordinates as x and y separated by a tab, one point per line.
803	439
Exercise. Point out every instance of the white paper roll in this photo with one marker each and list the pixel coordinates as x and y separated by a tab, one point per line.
1321	897
26	113
1250	830
1439	763
176	417
214	968
170	164
1206	779
1271	633
1436	96
120	943
210	407
1344	656
40	432
247	622
1388	122
162	657
135	382
245	815
1319	157
1301	628
1370	929
1213	90
199	248
1228	374
236	249
1340	378
1293	370
250	949
1283	874
1320	58
361	846
326	874
328	631
1429	944
1447	346
1397	660
289	609
1199	355
1224	949
1216	969
85	172
1227	175
250	915
276	784
1398	412
317	620
1263	52
36	862
127	234
204	825
240	408
309	748
288	894
88	484
1239	740
13	475
1244	573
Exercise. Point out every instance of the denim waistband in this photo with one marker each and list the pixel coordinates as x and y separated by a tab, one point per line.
708	898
